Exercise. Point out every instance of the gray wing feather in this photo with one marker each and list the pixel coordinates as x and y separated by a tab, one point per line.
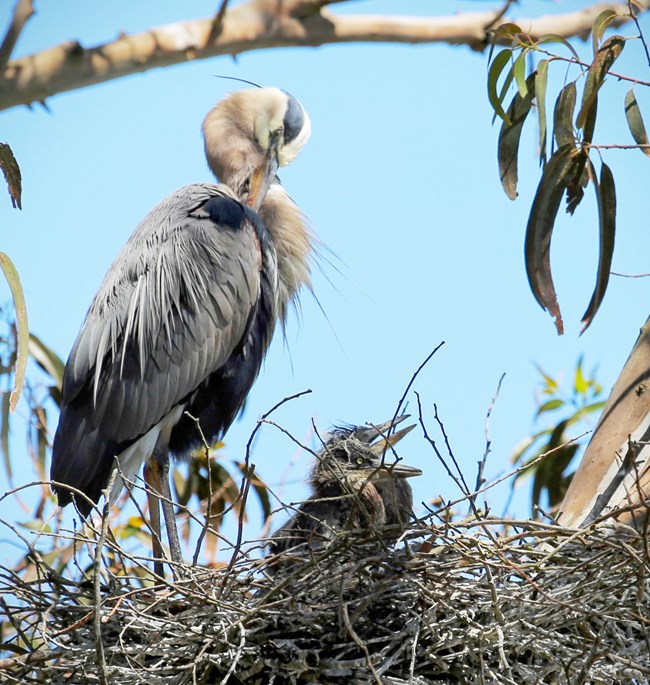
171	310
312	526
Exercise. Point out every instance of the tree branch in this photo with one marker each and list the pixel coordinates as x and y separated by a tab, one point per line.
257	25
22	12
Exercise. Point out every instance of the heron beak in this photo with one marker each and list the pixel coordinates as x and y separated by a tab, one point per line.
392	470
264	175
369	433
400	470
380	448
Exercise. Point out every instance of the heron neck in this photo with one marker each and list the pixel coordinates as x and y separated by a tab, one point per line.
292	240
371	506
360	507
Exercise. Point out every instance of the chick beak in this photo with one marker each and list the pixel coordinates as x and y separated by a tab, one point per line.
400	470
382	446
264	175
379	449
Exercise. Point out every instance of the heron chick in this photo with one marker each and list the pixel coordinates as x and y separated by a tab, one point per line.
355	486
177	332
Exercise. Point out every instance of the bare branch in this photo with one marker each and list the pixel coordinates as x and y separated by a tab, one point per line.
22	12
633	14
217	22
257	25
616	273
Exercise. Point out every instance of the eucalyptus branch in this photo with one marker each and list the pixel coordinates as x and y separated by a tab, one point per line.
263	24
572	60
638	26
22	12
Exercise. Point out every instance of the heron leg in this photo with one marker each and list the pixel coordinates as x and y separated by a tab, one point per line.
154	490
168	511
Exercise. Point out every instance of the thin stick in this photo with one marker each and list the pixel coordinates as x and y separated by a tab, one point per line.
410	385
480	478
217	24
97	619
23	11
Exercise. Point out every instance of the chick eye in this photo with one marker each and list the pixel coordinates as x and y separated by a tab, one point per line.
360	461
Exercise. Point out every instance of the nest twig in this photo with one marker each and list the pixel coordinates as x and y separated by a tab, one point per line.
470	602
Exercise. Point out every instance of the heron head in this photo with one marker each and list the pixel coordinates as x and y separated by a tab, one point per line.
249	135
357	456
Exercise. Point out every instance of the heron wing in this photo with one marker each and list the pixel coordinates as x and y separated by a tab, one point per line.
172	308
313	525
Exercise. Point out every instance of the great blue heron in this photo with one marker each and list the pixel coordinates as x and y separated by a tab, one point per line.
184	316
355	486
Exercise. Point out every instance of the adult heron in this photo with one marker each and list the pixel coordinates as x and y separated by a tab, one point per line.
176	334
355	486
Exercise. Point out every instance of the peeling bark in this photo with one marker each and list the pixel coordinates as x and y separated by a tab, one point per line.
257	25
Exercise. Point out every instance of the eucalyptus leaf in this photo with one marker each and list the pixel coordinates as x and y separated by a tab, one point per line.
22	344
563	116
635	121
559	171
540	99
607	54
509	137
496	68
606	196
12	175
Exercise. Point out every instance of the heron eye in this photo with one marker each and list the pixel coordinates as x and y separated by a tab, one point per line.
360	461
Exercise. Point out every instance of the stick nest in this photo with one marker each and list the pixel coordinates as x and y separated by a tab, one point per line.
472	602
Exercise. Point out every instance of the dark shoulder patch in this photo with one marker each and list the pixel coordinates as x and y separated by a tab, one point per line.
225	211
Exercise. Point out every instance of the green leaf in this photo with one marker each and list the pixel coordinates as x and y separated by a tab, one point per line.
505	32
48	360
4	434
36	525
21	323
556	38
183	486
260	487
603	61
508	30
559	171
521	449
606	196
563	116
576	185
510	136
55	394
551	384
635	121
549	406
507	82
585	411
498	65
12	175
40	416
519	71
603	20
580	383
591	408
590	123
556	482
540	98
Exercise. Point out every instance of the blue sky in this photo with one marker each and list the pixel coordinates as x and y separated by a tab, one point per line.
401	185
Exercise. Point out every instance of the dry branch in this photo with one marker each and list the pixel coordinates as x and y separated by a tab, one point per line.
22	12
473	608
256	25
